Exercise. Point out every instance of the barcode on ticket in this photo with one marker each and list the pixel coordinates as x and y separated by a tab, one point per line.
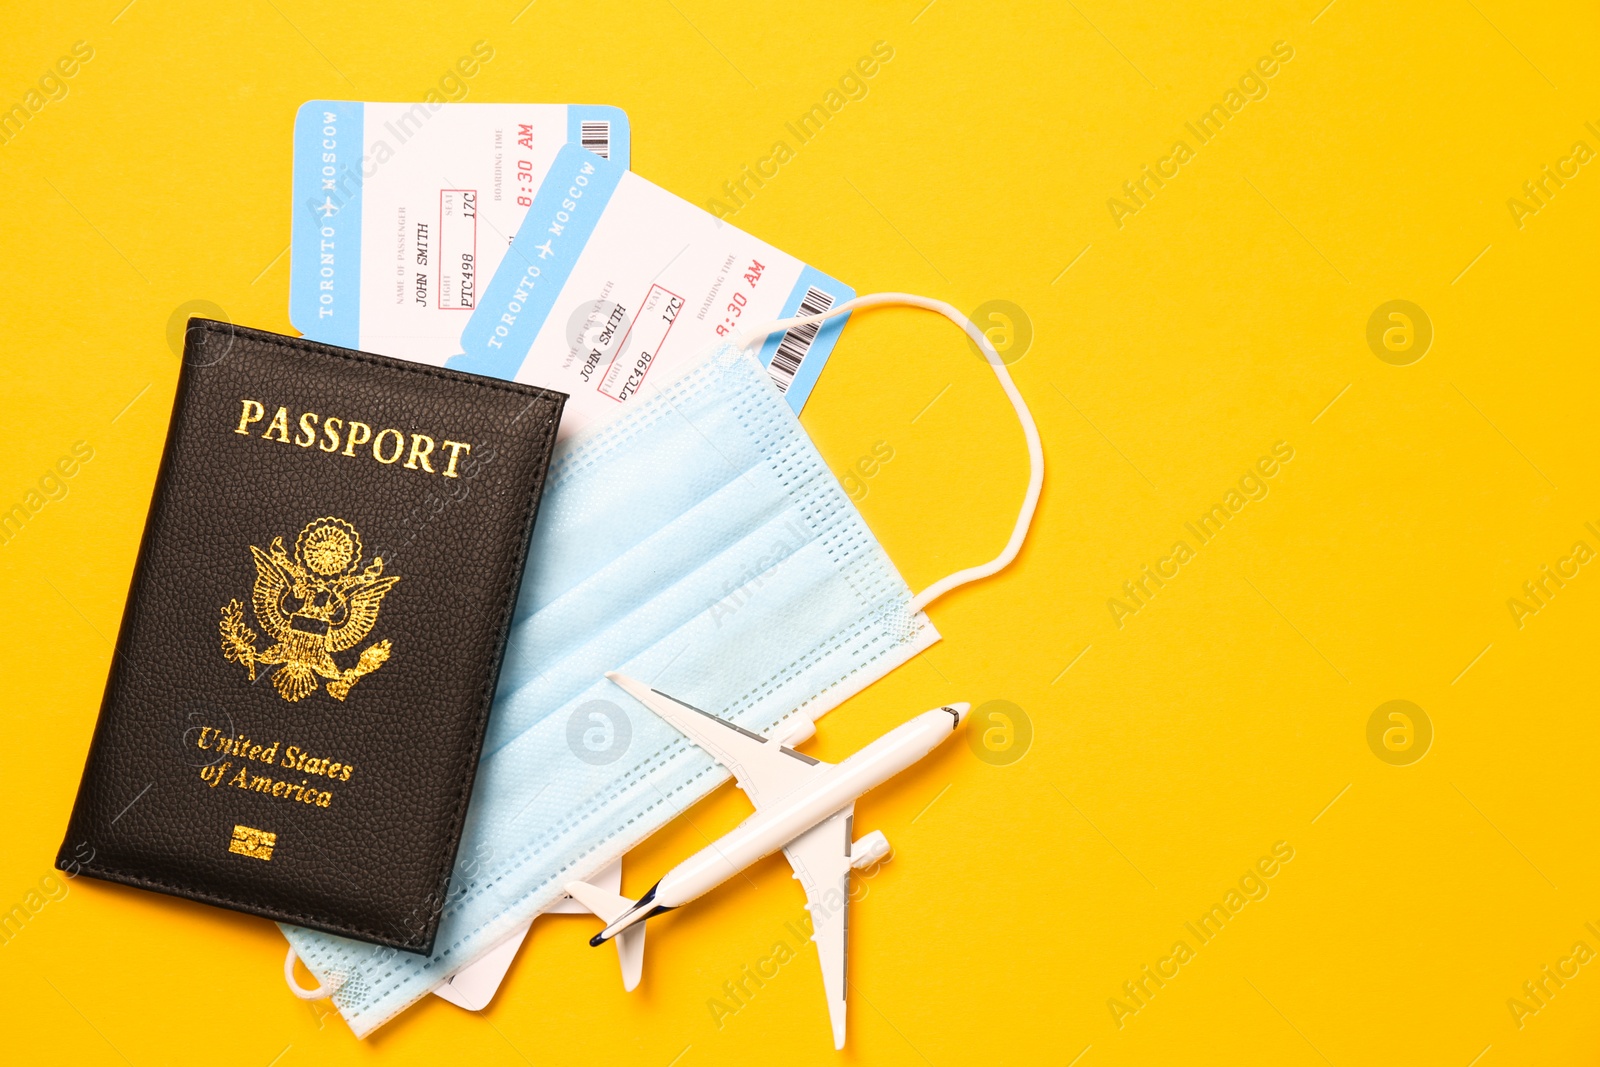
797	340
596	137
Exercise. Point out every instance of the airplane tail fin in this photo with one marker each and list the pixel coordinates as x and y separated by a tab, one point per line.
611	906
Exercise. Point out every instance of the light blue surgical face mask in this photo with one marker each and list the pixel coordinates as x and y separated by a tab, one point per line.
699	542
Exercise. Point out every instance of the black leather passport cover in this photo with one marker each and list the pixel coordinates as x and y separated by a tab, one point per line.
311	643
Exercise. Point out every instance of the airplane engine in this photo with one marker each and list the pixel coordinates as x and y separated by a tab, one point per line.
869	850
801	732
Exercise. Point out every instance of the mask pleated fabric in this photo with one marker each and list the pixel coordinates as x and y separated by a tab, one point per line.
697	542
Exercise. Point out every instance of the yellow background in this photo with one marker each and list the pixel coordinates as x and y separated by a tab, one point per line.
1228	714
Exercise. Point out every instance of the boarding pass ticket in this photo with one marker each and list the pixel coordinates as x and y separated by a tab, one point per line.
402	212
613	282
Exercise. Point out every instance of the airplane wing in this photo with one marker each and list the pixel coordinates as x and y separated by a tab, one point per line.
821	861
764	769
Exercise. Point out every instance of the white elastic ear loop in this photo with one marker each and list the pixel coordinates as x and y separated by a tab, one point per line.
1030	432
295	987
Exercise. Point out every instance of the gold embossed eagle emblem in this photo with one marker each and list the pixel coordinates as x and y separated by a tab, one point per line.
311	606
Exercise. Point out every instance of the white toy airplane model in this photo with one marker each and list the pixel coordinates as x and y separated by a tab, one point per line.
803	806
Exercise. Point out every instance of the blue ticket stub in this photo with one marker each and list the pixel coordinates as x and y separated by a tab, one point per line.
403	212
612	281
